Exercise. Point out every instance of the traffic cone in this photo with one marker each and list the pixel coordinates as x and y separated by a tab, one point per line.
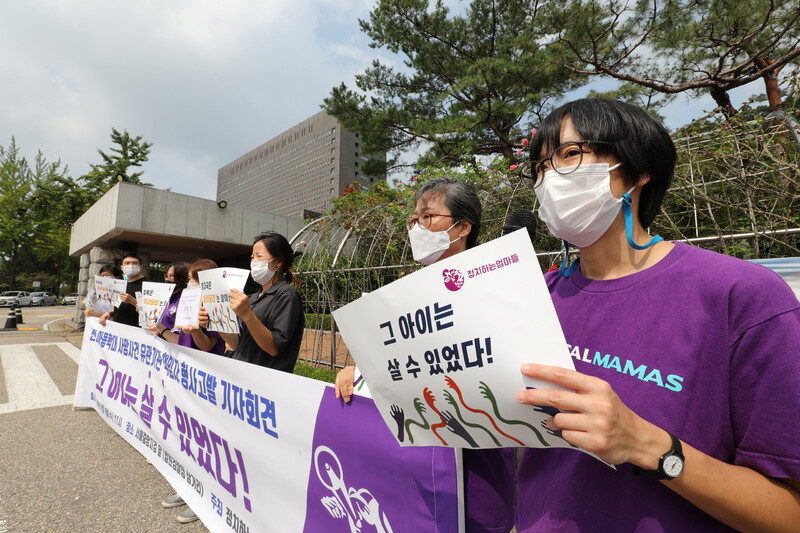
11	321
19	314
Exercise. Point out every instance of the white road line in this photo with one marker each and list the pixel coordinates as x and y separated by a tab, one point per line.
28	384
70	349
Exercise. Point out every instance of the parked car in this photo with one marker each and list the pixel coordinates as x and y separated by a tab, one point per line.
9	298
70	299
43	298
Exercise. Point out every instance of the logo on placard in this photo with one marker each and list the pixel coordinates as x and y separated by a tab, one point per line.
224	274
453	279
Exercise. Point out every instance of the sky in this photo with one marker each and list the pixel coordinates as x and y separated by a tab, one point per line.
205	81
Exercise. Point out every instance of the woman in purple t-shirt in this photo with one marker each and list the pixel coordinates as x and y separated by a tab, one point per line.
184	276
446	221
190	336
686	361
178	273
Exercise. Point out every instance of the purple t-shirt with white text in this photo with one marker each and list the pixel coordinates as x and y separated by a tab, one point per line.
700	344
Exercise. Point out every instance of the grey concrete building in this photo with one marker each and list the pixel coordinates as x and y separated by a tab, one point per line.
301	169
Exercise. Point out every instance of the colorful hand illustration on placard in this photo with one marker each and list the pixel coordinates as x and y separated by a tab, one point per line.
468	421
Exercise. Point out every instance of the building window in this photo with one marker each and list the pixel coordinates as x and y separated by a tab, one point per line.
356	144
331	190
356	163
333	141
356	154
371	179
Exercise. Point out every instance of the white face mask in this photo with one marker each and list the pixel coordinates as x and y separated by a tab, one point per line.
260	271
428	246
131	270
579	207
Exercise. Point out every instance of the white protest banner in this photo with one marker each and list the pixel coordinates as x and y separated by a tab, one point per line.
188	308
155	298
216	285
108	290
441	348
252	449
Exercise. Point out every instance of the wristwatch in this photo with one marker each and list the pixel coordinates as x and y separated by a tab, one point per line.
670	465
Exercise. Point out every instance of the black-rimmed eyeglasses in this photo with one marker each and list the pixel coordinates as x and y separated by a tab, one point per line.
565	159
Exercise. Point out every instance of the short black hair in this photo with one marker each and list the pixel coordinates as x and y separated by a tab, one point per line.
460	198
642	144
131	254
115	270
279	248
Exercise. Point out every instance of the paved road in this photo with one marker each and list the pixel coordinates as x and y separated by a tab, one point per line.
65	470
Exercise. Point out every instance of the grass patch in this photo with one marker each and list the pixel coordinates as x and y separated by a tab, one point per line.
314	372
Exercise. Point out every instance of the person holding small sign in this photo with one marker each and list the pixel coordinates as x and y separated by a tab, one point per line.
271	320
192	336
188	335
106	271
128	313
447	221
686	361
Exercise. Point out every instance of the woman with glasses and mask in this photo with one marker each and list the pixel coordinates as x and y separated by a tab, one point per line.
687	366
446	221
271	320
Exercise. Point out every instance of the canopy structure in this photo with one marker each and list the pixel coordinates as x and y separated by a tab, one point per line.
162	227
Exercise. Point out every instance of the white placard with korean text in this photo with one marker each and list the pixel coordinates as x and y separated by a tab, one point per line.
108	290
216	285
154	301
188	308
441	349
94	304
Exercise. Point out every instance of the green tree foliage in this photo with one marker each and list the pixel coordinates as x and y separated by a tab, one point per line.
56	203
16	186
37	207
674	46
475	80
129	152
648	99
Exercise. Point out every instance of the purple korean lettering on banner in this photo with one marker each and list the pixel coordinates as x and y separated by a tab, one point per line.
360	478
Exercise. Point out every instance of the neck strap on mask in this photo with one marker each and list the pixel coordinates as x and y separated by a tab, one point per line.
565	270
627	212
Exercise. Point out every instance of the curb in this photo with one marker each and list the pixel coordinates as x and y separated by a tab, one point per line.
67	327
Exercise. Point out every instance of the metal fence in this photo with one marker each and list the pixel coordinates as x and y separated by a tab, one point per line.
735	191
